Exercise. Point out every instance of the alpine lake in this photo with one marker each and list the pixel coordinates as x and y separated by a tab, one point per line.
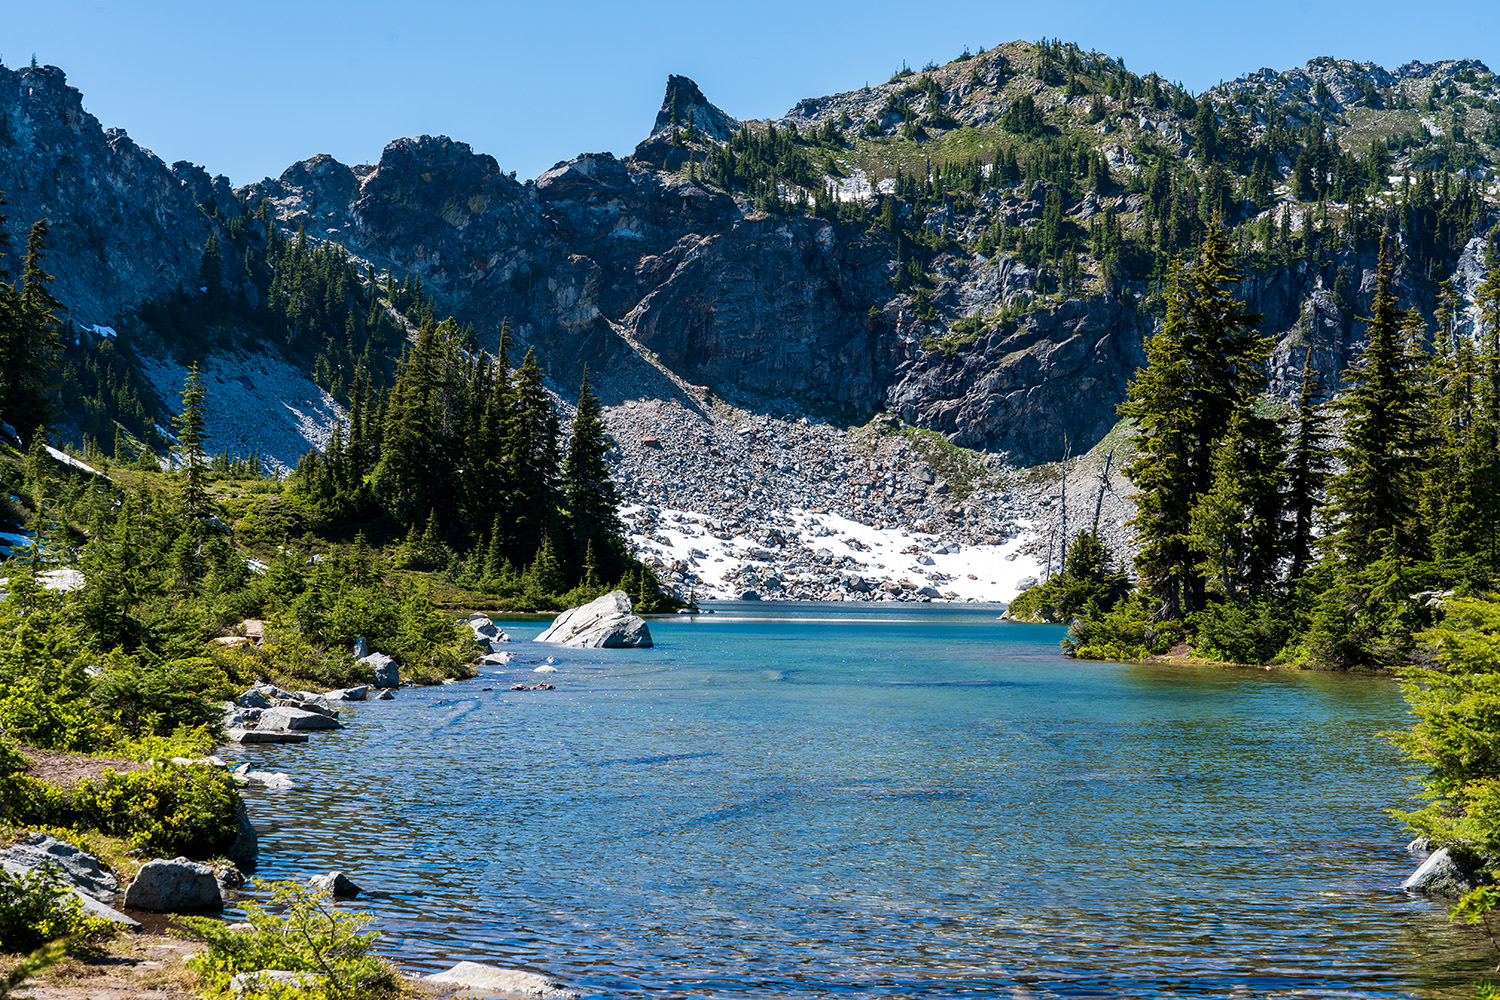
877	800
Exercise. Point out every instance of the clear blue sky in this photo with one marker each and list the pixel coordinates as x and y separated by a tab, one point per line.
248	88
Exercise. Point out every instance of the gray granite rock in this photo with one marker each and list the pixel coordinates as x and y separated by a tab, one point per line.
387	671
254	698
175	886
283	719
79	868
490	980
1443	874
336	884
271	982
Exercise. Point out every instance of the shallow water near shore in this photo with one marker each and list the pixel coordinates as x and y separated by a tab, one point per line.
880	801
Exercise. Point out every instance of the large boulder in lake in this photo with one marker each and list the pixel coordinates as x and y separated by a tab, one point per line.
608	623
176	886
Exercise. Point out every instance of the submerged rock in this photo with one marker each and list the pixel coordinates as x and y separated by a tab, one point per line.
176	886
489	980
266	736
607	623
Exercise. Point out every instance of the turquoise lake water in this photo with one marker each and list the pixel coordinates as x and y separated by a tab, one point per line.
832	801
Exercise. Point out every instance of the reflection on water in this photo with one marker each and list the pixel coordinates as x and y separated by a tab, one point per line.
822	803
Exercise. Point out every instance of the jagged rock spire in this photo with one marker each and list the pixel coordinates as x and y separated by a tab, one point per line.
684	107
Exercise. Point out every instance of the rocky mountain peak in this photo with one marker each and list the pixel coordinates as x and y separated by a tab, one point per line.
685	107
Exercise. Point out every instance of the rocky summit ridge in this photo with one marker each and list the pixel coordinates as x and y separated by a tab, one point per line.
929	257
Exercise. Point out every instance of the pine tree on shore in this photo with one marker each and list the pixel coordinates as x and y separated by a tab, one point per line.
1374	497
1204	367
1309	469
592	500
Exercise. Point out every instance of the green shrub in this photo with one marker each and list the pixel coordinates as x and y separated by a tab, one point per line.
1456	736
307	935
38	907
12	760
1088	583
24	799
166	810
1132	630
145	698
1243	631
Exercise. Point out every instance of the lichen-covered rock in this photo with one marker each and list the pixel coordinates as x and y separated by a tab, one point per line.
607	623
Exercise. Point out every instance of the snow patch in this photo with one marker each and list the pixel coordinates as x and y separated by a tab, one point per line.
825	553
67	459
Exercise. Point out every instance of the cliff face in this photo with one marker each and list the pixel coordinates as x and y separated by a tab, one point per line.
123	225
601	260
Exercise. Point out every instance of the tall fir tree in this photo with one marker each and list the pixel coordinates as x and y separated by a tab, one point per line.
1205	366
1308	474
1374	496
593	502
192	441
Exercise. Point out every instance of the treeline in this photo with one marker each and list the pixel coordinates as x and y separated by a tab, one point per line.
1250	548
1232	174
463	460
308	299
30	337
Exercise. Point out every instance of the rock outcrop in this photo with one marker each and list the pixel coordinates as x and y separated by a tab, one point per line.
607	623
78	867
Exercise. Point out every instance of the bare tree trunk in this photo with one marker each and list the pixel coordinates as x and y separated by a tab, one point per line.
1103	484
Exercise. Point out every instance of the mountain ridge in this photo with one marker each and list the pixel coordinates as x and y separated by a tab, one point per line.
976	248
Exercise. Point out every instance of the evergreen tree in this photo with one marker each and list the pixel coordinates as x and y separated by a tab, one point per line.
1204	367
1375	495
531	457
29	341
192	436
1309	469
592	500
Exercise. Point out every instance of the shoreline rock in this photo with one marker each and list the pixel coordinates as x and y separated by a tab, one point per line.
478	979
175	886
1443	874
